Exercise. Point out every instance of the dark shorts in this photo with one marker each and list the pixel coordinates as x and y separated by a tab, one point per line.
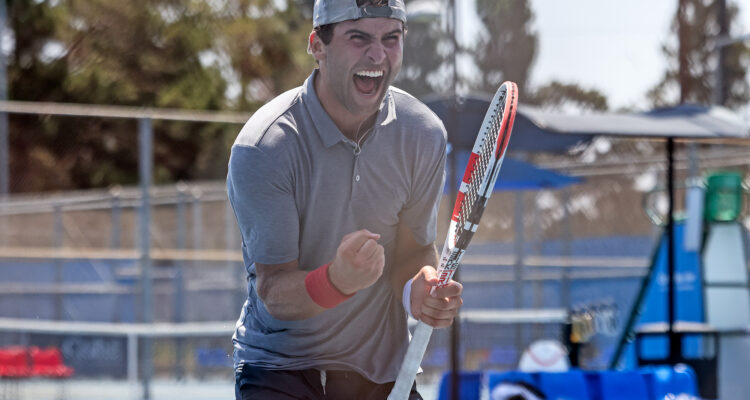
256	383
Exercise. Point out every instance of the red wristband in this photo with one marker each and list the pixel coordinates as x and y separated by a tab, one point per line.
321	290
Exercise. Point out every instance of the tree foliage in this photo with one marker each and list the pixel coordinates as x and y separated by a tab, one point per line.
265	46
507	49
558	95
189	54
695	30
425	59
208	55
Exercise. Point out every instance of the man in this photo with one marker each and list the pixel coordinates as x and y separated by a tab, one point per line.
335	186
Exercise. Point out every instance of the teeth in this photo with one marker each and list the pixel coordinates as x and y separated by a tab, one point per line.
371	74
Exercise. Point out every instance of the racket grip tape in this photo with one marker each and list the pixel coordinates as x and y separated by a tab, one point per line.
412	359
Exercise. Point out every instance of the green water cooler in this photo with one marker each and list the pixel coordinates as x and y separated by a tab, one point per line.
725	280
724	197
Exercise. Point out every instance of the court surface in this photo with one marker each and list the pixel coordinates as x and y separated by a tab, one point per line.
160	390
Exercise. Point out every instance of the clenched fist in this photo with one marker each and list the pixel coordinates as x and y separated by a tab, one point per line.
359	262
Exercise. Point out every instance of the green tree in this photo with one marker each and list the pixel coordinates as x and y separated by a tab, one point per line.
690	76
33	160
265	44
141	53
507	49
188	54
558	95
425	58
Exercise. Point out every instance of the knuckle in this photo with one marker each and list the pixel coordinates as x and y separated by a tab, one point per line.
346	252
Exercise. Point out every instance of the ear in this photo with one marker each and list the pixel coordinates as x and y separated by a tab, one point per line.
316	47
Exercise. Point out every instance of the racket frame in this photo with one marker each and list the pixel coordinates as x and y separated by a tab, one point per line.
455	245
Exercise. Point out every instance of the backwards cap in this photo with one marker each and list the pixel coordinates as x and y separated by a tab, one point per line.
331	11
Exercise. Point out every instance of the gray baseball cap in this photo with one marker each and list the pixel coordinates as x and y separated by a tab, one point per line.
331	11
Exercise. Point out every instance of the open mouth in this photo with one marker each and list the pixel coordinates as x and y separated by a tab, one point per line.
367	82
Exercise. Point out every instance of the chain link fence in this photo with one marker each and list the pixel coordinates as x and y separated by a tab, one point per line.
97	256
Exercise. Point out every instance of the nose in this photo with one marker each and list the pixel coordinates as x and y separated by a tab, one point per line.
376	53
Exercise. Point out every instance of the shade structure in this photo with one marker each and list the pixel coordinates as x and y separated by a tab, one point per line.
688	121
515	175
539	130
463	117
685	121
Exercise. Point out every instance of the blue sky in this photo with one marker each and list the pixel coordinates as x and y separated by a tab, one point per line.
613	46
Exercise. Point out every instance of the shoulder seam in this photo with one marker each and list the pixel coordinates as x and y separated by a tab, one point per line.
260	151
286	110
411	96
268	125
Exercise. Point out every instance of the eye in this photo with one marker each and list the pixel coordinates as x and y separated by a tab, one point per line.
358	38
392	40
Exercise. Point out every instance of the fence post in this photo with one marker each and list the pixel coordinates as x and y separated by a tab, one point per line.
116	218
179	280
4	221
57	242
132	363
538	280
197	219
567	251
4	152
145	145
518	282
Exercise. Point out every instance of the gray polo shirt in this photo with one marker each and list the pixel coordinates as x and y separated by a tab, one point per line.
297	187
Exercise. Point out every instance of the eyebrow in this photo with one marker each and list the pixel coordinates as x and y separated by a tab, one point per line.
353	30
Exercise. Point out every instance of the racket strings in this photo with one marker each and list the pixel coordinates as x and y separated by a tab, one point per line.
484	161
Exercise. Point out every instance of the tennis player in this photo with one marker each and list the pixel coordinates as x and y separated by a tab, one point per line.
335	186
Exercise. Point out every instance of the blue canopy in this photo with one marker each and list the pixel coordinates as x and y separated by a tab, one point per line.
538	130
514	175
463	118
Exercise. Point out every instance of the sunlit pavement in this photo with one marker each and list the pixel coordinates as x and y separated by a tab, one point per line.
78	389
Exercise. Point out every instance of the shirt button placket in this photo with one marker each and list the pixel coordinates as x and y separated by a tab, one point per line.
356	175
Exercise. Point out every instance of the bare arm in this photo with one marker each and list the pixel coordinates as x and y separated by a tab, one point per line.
282	289
358	264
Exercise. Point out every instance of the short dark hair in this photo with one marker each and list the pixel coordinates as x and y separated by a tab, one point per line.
325	32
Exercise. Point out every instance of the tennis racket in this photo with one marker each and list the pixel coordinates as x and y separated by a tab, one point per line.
476	187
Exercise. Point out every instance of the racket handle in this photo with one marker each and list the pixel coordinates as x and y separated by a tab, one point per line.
412	359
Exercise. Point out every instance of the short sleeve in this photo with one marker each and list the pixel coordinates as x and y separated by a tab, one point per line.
262	196
421	209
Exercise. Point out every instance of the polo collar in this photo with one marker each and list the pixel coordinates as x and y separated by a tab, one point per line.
327	130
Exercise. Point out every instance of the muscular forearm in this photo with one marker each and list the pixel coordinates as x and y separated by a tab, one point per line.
292	294
285	296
